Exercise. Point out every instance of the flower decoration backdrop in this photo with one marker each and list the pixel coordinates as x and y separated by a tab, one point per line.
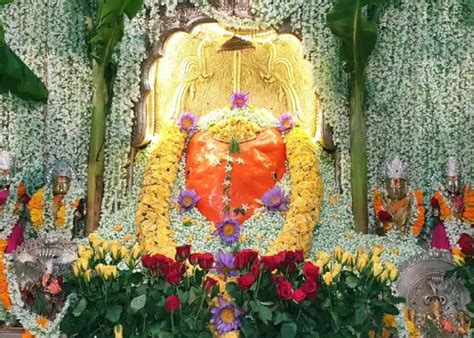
418	91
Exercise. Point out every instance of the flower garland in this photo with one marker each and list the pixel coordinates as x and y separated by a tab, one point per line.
417	211
455	228
4	294
446	205
152	219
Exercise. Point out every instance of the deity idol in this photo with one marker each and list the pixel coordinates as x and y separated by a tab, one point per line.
397	207
238	176
452	200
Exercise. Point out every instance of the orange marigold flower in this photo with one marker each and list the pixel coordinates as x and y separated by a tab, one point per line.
27	334
42	322
3	245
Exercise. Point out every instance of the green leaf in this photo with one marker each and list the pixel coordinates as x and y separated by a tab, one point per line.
281	317
80	307
352	281
288	330
5	2
133	7
265	314
138	303
113	313
390	309
18	79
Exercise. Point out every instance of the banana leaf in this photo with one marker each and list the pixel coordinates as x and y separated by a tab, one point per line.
17	78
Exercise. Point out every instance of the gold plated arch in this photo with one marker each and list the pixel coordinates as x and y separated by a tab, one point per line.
194	75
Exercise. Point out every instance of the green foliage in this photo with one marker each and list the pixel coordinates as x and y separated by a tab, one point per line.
15	76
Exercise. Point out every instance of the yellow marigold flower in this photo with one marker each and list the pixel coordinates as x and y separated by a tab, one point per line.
128	238
361	250
60	216
118	228
327	277
336	269
377	250
42	322
458	256
338	251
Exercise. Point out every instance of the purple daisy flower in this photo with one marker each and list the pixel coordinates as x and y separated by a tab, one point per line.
228	230
225	263
188	122
226	316
187	199
275	200
286	123
239	100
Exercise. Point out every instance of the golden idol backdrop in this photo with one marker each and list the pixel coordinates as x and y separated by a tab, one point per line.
195	74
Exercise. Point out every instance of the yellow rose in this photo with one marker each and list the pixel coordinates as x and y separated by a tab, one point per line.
82	263
118	331
115	250
324	257
87	275
377	269
377	250
75	270
384	276
336	269
135	251
393	274
99	252
107	271
327	277
348	257
338	251
85	252
362	262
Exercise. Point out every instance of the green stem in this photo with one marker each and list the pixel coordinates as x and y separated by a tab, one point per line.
258	284
200	307
95	171
172	322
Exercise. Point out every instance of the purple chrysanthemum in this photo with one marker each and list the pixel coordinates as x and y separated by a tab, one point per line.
286	123
226	316
239	100
187	199
225	263
275	200
188	122
228	230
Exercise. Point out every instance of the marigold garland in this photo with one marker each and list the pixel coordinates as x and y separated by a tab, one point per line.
153	225
417	217
445	206
4	294
306	194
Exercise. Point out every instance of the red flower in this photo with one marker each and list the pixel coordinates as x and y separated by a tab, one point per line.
255	268
172	303
310	270
147	261
161	260
206	260
310	288
434	203
294	257
384	216
466	243
194	258
245	257
173	272
272	262
299	295
209	284
285	290
182	252
245	281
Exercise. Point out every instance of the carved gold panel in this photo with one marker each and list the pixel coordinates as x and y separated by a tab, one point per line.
194	75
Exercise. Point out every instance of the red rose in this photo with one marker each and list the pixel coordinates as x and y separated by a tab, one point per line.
245	257
182	252
299	295
173	272
255	268
147	261
434	203
194	258
209	284
206	260
310	270
245	281
310	288
384	216
160	259
285	290
294	257
466	243
272	262
280	258
172	303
